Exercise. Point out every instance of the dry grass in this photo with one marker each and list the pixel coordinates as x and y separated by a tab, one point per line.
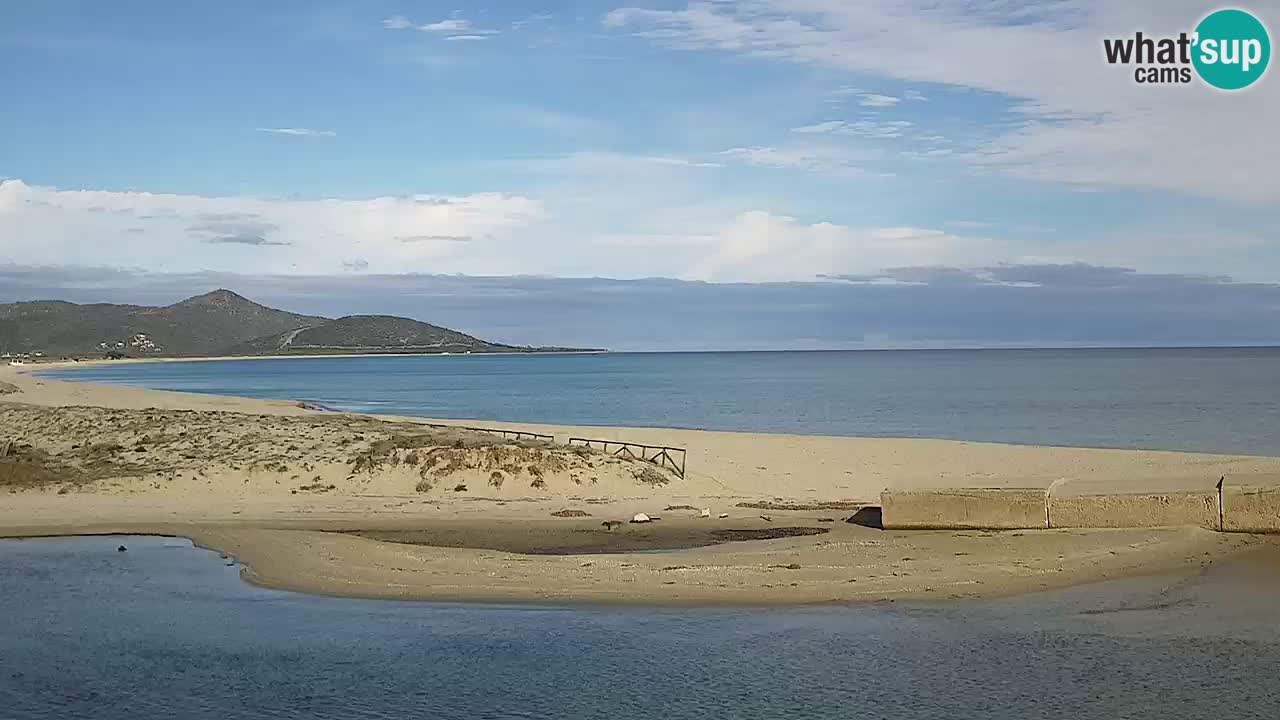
436	456
80	445
26	467
650	475
440	454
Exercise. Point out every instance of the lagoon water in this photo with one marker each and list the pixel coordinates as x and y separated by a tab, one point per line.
1212	400
165	630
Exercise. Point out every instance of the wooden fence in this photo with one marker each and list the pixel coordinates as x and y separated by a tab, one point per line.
517	434
660	455
672	458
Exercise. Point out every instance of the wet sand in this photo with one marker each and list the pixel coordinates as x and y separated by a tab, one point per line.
590	538
849	565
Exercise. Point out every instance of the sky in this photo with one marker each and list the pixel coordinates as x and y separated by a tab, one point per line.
758	174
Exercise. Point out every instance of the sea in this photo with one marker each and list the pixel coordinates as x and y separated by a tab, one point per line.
1211	400
164	630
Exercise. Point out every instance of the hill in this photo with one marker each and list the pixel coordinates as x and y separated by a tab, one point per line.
217	323
368	334
201	325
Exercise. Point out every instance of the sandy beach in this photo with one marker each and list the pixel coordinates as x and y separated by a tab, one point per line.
388	507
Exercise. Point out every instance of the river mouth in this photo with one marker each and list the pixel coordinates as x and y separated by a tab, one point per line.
166	630
584	540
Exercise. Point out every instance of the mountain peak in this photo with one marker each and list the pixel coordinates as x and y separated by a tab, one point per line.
201	325
220	297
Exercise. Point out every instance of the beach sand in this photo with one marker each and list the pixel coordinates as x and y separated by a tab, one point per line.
286	489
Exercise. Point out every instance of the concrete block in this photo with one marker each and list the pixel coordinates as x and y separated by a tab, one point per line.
973	509
1251	508
1198	509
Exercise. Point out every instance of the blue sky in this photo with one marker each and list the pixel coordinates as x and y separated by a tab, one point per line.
759	141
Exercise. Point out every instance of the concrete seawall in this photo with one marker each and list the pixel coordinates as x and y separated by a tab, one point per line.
967	508
1251	508
1199	509
1235	507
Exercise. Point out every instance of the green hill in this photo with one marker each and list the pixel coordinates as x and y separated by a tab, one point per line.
218	323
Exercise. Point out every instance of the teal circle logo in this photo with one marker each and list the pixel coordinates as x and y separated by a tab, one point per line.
1232	49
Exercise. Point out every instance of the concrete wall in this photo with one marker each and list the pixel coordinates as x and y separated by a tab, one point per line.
1251	508
1003	509
1134	510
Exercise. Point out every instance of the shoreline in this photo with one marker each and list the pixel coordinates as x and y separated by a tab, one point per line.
95	362
292	539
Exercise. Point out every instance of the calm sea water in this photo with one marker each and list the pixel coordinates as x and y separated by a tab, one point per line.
168	631
1214	400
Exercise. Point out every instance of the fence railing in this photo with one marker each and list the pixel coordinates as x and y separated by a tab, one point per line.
660	455
672	458
517	434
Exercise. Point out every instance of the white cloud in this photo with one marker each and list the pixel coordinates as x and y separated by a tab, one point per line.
298	132
876	129
191	232
674	161
624	165
592	214
822	127
535	19
456	29
822	160
446	26
620	17
846	91
761	246
1084	122
476	234
871	99
771	157
655	240
926	154
876	100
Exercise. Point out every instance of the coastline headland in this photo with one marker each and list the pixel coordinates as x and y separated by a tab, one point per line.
369	506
